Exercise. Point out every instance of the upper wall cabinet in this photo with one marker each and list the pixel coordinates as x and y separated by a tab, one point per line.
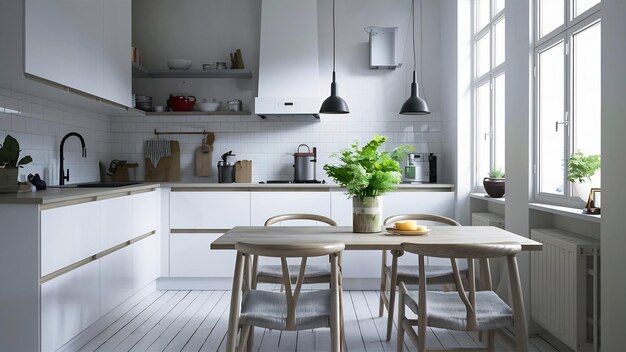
81	44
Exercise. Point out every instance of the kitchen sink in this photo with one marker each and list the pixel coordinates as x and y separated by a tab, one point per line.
99	184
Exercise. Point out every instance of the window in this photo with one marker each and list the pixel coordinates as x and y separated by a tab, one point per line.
488	87
567	92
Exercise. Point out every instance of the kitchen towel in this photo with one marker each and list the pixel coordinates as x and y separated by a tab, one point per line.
157	149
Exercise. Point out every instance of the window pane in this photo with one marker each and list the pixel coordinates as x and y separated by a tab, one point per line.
483	132
581	6
498	120
482	14
498	6
551	15
551	110
586	103
499	43
482	55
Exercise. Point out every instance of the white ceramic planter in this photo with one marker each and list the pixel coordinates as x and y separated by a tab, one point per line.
367	214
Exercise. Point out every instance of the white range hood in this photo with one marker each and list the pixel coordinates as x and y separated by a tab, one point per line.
288	59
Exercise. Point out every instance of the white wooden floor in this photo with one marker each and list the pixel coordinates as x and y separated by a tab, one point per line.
197	321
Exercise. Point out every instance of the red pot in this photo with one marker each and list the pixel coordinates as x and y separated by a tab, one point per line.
181	103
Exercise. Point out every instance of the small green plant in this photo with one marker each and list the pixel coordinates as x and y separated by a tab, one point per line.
496	173
365	172
581	166
10	153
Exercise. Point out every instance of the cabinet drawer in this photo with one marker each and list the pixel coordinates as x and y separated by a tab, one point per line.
191	256
69	304
267	204
116	221
145	212
116	278
68	235
146	261
209	210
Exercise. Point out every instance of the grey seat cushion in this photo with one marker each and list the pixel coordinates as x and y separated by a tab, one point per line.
310	271
269	309
446	310
432	271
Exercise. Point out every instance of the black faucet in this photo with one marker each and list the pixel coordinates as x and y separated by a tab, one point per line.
62	176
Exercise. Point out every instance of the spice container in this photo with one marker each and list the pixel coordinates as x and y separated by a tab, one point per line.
234	105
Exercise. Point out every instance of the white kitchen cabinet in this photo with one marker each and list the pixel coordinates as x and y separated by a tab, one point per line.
63	42
116	278
69	304
116	61
69	234
146	208
116	221
81	44
267	204
209	210
145	262
191	256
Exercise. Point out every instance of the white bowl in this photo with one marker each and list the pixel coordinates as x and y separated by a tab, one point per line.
208	106
179	64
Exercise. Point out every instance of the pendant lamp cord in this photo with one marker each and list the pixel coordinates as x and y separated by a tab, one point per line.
422	46
333	35
414	61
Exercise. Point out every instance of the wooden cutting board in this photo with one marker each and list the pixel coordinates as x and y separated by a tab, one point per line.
243	171
168	168
204	162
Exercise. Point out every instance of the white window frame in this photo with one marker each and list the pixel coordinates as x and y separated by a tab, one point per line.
487	78
564	33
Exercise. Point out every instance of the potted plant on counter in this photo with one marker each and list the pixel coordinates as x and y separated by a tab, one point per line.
494	183
580	169
10	162
367	174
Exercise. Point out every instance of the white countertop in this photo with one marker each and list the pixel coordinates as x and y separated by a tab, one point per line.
55	195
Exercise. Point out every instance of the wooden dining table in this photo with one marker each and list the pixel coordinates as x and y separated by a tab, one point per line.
368	241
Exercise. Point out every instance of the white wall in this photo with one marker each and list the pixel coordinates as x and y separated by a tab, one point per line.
613	238
39	125
220	26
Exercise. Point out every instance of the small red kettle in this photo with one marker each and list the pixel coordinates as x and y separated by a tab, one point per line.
181	102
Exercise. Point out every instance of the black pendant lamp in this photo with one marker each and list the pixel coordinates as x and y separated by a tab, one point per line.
415	105
334	104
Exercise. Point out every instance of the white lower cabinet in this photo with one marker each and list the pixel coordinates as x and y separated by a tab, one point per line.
116	221
116	278
69	304
145	262
264	205
191	256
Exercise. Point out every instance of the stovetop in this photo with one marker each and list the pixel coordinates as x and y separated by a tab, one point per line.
291	181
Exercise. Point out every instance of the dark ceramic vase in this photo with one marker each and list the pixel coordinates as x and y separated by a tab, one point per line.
494	187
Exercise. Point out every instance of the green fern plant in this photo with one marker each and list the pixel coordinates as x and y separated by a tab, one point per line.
366	172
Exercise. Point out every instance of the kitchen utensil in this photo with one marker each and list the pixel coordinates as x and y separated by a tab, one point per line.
204	159
220	65
210	138
179	64
225	168
168	167
143	102
416	169
118	169
234	105
158	108
208	106
304	164
393	231
207	66
243	171
181	103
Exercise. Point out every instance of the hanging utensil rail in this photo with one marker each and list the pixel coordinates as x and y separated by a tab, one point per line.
160	133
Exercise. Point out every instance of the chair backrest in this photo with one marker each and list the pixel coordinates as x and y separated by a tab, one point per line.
470	251
286	217
425	217
247	251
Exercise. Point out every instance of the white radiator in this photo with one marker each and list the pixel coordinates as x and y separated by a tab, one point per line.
564	287
487	219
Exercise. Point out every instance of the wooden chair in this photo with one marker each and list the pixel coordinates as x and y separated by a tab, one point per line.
463	310
391	275
314	273
289	310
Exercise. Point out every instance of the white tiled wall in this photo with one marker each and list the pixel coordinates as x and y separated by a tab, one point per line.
39	125
270	143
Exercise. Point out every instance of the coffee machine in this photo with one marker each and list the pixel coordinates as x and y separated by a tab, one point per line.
420	168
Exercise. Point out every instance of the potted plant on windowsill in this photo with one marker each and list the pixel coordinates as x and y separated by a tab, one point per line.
367	174
494	183
580	169
10	162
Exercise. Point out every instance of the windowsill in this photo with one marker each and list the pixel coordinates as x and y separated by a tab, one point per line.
485	197
565	211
